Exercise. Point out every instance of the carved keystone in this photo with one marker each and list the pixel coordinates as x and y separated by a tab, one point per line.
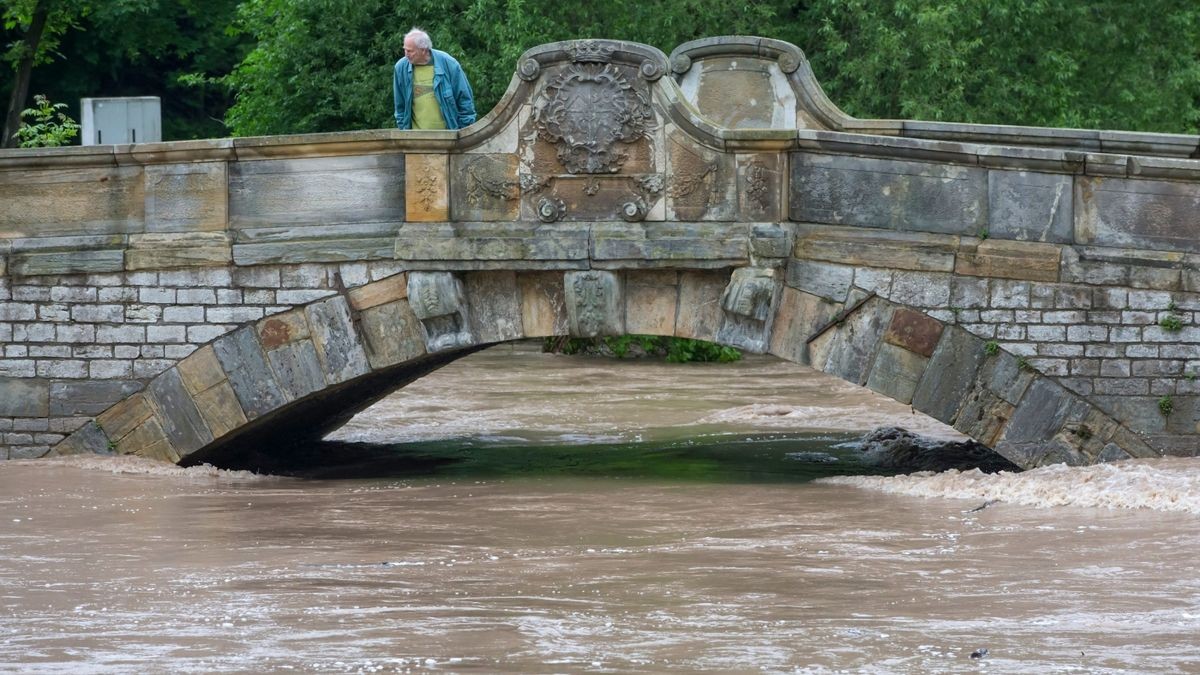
594	303
438	302
747	303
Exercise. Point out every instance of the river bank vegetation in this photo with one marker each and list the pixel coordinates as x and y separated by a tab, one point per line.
251	67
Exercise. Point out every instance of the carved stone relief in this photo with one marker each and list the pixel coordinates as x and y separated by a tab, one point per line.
701	183
488	187
758	186
437	300
587	112
747	303
594	303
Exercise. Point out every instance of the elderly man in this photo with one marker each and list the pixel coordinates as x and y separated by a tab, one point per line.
430	88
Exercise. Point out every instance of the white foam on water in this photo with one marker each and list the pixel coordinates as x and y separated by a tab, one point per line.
1168	484
832	418
142	466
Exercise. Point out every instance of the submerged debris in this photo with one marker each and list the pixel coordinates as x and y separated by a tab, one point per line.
979	653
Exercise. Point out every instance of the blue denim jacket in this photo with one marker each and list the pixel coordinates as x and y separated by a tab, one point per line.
449	85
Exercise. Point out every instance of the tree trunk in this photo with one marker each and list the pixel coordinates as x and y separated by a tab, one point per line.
20	91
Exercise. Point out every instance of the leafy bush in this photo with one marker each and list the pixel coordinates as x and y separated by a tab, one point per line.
673	349
46	125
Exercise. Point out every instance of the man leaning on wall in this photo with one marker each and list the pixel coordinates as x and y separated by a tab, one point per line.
431	90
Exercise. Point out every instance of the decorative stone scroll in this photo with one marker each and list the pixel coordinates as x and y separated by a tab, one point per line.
747	303
594	303
438	301
587	110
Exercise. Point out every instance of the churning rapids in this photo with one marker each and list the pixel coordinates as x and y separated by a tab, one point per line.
522	512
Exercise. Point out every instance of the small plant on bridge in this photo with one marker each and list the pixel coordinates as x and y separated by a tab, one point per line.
46	125
992	348
1024	364
1166	405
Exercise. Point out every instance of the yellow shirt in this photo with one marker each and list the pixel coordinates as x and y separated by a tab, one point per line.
427	114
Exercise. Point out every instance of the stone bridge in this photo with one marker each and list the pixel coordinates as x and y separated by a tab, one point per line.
1035	288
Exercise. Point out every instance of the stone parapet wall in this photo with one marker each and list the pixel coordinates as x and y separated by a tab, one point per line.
1119	327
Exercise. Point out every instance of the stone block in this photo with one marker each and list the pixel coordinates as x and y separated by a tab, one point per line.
315	244
284	328
950	376
543	304
799	316
1002	374
201	370
89	397
595	303
88	439
379	292
748	303
338	346
849	349
493	241
242	359
219	407
427	188
888	250
66	262
22	397
701	183
651	298
913	331
888	194
150	441
439	302
921	289
122	418
984	416
662	244
821	279
998	258
297	369
771	240
495	306
71	201
180	419
188	197
741	92
700	313
392	334
1030	206
1137	213
316	191
895	372
760	181
187	249
1041	415
486	187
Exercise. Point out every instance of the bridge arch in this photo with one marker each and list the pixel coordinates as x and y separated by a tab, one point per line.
612	190
300	374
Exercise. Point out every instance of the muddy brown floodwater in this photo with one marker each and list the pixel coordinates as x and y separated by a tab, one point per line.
581	515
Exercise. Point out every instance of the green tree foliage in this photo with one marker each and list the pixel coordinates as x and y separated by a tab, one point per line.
325	65
173	49
1106	64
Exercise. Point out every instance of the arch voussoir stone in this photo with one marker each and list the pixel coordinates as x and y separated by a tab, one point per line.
951	375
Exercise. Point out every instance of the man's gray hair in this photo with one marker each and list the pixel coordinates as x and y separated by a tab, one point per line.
420	38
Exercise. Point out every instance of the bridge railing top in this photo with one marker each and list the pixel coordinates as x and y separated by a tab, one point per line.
827	128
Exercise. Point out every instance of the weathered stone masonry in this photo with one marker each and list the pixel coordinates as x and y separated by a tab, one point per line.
1036	288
